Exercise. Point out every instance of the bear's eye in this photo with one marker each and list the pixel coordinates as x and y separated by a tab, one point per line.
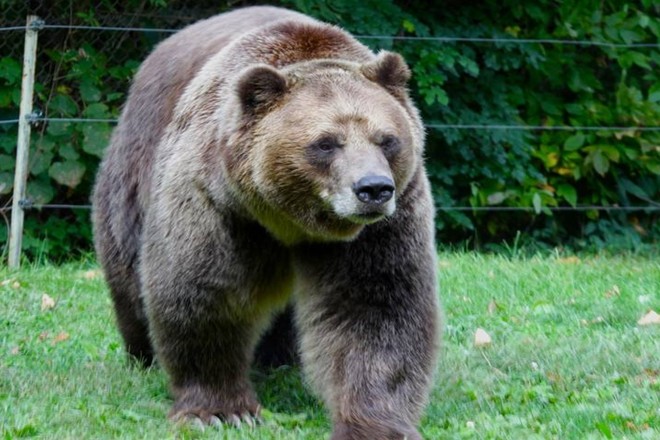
326	145
390	144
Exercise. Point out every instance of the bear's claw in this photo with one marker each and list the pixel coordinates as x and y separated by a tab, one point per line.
217	421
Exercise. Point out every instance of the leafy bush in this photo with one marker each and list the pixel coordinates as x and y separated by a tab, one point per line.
80	74
473	83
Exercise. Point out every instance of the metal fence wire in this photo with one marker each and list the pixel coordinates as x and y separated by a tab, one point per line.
84	65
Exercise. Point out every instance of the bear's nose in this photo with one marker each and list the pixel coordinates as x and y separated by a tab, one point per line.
374	189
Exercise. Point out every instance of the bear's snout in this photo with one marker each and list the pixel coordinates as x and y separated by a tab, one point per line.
374	190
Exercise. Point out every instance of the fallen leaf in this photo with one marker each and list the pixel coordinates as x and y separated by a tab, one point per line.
61	336
651	372
91	274
7	282
492	307
553	377
648	375
651	318
598	320
643	299
481	338
643	427
614	291
43	336
16	285
15	350
47	302
569	260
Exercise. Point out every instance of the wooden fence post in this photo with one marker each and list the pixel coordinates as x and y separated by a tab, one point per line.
23	141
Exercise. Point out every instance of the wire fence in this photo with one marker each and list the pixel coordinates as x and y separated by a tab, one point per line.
35	119
441	39
57	36
26	206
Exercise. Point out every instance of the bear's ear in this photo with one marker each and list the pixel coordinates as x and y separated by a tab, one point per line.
389	70
259	87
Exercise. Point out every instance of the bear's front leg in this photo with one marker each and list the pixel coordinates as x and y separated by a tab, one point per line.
368	315
206	353
203	290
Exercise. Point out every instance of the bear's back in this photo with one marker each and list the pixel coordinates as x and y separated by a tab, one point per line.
166	72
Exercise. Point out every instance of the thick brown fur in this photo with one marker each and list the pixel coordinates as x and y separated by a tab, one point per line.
234	185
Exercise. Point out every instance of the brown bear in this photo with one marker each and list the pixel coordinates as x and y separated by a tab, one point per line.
265	158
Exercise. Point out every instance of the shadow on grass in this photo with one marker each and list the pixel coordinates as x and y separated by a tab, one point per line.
282	390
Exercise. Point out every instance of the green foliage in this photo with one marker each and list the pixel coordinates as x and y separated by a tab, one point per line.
471	83
64	155
84	78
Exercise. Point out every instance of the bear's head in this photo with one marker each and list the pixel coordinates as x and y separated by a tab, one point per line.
324	147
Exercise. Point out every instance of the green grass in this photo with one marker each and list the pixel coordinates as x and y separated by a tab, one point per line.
568	360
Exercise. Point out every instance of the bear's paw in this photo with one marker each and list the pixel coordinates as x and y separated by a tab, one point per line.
202	407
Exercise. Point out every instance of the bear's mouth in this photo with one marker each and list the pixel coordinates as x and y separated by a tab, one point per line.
367	218
348	209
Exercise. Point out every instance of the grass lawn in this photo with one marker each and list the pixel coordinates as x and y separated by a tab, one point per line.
567	360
